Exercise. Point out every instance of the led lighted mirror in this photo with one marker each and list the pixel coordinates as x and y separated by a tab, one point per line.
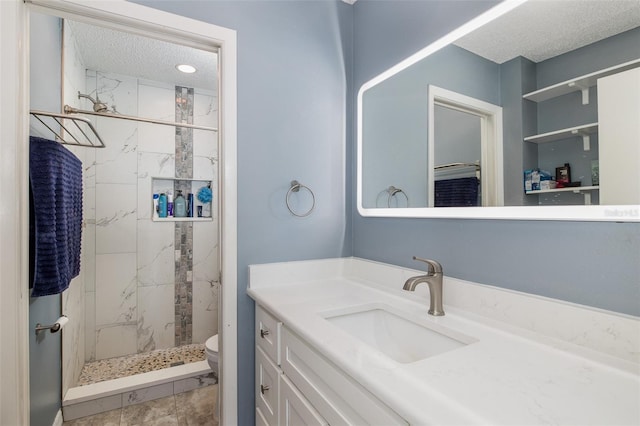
527	112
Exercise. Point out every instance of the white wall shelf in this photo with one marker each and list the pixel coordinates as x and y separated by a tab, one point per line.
584	190
578	84
584	131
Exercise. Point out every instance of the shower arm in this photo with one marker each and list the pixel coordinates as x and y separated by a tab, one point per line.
71	110
97	105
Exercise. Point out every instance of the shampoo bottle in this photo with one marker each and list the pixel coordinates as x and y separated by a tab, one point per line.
169	203
190	205
162	205
179	206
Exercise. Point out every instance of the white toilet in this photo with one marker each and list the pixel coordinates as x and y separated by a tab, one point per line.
211	350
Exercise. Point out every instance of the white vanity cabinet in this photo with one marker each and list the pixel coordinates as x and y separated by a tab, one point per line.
278	402
296	385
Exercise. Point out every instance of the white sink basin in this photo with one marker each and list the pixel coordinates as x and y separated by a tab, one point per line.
401	339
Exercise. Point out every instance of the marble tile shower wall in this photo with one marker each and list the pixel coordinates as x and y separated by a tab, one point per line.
73	299
131	307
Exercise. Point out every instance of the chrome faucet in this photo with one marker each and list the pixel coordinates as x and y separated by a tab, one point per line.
433	278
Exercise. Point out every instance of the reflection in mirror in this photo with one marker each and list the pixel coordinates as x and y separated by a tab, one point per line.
465	150
530	62
457	158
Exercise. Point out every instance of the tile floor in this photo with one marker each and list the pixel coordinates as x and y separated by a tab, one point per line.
192	408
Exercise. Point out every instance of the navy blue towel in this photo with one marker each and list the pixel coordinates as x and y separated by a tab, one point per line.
56	216
461	192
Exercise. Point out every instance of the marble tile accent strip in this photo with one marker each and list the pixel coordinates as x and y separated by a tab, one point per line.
184	286
184	136
184	230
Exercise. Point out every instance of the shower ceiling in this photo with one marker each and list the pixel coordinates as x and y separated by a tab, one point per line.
129	54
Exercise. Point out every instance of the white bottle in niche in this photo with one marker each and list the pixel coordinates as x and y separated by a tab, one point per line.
156	199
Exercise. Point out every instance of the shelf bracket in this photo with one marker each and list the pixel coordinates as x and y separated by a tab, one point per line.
584	89
587	196
586	139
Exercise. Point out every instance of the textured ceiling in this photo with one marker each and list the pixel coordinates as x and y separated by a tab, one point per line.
542	29
128	54
537	30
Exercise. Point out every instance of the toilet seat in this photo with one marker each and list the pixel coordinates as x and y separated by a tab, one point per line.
211	345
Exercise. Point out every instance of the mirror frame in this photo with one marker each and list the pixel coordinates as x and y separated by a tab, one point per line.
609	213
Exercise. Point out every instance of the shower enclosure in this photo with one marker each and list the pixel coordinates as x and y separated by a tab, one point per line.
144	284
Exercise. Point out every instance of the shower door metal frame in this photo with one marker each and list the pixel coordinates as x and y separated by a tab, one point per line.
128	17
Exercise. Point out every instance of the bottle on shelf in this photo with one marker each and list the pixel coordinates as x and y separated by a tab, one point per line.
169	203
162	205
179	205
156	209
190	205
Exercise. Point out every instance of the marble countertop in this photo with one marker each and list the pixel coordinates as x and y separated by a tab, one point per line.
509	375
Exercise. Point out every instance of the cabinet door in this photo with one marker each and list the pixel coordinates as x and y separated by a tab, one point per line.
267	384
619	138
260	420
295	410
268	334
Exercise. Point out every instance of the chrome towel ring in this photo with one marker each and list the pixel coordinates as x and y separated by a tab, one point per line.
393	191
295	187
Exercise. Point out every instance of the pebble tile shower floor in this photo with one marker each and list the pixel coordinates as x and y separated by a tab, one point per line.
114	368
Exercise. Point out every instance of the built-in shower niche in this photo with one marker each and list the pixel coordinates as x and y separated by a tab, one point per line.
202	202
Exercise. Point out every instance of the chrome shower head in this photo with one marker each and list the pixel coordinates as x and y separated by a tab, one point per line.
97	105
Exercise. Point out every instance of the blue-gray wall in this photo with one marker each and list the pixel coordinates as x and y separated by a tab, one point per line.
395	128
295	67
291	125
44	351
591	263
519	119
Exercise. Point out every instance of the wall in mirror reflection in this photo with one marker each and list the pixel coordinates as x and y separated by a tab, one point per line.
395	128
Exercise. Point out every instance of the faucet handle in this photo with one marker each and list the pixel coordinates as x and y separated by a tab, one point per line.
433	266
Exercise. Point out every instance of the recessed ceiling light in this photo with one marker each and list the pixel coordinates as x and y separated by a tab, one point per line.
187	69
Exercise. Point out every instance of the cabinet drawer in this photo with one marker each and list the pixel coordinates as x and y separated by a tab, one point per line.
268	334
295	410
337	397
267	387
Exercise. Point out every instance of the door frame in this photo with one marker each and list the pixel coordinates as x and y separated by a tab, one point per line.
491	157
14	71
